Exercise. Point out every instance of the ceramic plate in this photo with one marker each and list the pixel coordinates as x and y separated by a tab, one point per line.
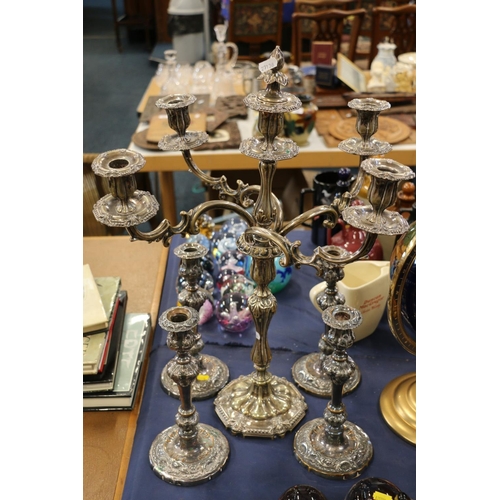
408	58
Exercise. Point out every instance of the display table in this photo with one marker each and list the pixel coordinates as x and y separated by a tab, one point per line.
259	467
108	435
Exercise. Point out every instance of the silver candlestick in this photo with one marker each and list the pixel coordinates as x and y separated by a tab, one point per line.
332	446
188	452
259	404
308	371
213	373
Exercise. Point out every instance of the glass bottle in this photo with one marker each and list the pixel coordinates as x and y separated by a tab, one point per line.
171	83
224	73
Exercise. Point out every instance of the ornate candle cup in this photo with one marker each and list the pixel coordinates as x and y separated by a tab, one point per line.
213	373
368	110
385	177
271	103
125	206
176	107
188	452
332	446
367	117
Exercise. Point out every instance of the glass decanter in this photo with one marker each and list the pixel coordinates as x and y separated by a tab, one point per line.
171	82
224	72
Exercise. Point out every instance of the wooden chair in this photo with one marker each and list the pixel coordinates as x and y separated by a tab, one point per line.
255	26
333	25
364	45
398	24
315	6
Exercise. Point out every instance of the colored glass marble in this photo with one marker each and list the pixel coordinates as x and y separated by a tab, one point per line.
234	227
238	283
283	275
232	312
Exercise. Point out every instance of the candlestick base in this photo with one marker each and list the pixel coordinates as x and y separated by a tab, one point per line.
310	375
398	404
189	466
314	450
257	409
213	376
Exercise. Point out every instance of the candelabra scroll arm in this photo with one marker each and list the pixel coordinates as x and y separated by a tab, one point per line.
299	258
218	183
291	255
330	211
165	231
362	251
242	193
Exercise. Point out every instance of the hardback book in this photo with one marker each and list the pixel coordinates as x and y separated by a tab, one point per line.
96	345
94	316
322	53
104	380
108	287
95	353
133	348
93	350
326	76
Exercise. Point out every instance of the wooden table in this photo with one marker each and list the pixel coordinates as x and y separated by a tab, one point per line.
108	435
316	155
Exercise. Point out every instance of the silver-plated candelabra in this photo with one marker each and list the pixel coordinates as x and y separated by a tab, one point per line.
259	404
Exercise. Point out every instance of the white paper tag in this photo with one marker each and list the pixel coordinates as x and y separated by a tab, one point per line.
268	64
257	335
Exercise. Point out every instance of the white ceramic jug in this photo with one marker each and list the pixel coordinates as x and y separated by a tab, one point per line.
366	288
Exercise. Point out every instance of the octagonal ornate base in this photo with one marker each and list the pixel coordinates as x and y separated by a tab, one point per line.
213	376
186	467
266	411
308	374
314	451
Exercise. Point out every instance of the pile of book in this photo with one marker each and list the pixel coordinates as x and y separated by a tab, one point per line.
114	344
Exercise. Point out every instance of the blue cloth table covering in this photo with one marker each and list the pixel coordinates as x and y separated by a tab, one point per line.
260	468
